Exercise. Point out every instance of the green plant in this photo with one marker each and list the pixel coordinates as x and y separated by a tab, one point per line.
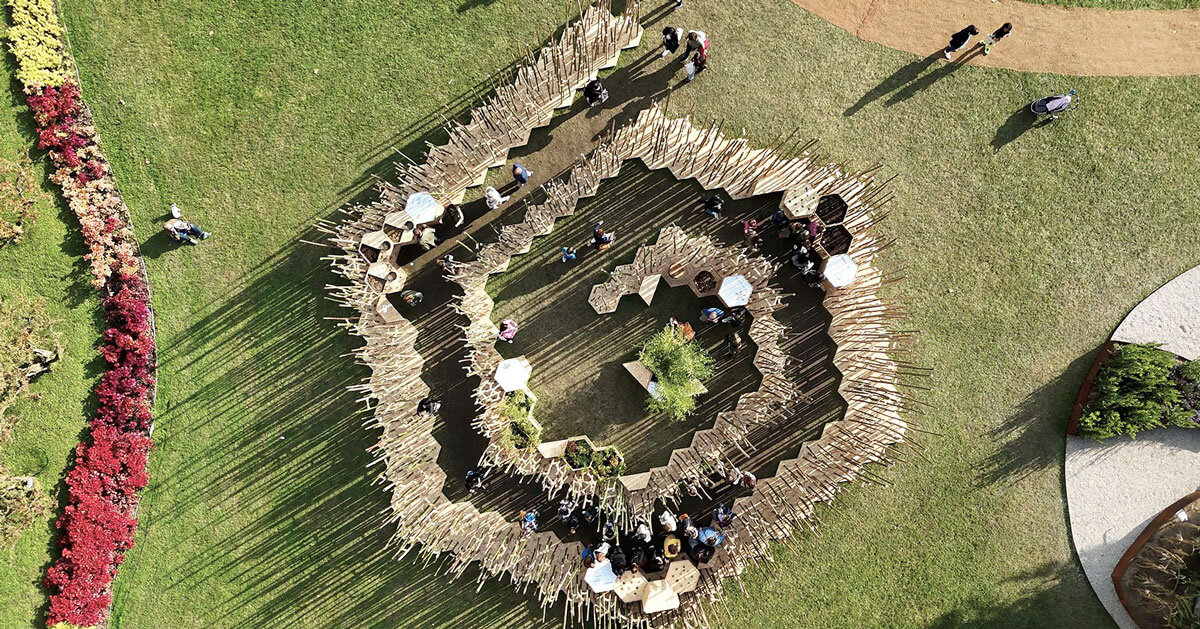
1133	392
578	454
517	408
678	366
605	462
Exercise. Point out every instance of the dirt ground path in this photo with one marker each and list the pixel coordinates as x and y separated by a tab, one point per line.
1085	42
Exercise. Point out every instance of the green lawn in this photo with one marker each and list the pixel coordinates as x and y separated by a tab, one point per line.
1023	248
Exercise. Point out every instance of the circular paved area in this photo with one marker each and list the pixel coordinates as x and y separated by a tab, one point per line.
1115	488
1087	42
1170	315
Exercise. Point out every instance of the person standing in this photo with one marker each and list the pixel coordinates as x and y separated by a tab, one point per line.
521	174
568	254
594	93
714	205
699	64
493	198
696	40
454	215
959	40
995	37
671	38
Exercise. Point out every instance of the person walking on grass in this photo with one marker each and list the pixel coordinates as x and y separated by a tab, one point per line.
995	37
521	174
672	36
959	40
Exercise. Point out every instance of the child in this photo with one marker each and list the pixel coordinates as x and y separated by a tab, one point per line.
568	254
995	37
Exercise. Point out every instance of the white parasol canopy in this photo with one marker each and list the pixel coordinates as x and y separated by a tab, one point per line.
735	291
422	208
840	270
513	374
600	577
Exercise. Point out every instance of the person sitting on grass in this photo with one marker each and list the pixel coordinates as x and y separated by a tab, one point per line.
529	524
568	254
427	237
493	198
508	330
412	297
733	344
183	231
618	560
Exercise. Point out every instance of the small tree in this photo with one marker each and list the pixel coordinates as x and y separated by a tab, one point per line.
678	366
1135	391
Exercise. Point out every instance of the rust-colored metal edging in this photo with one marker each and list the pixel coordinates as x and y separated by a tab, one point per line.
1105	351
1159	520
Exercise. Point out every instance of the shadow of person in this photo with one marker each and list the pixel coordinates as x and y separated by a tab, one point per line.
897	80
1015	126
473	4
158	244
927	81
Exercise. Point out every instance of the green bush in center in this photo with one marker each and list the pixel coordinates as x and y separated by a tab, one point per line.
1138	388
679	366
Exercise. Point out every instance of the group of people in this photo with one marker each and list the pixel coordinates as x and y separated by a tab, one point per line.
649	547
735	317
959	40
695	45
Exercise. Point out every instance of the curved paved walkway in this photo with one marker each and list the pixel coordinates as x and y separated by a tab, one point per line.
1087	42
1170	315
1115	488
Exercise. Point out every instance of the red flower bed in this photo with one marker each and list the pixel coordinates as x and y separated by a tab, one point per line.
98	523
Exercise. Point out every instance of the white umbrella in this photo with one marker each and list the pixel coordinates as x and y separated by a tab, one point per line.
600	577
422	208
840	270
735	291
512	374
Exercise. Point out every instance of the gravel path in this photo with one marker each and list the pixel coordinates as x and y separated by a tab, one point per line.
1045	38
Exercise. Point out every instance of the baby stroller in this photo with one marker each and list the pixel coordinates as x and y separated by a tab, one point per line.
1054	105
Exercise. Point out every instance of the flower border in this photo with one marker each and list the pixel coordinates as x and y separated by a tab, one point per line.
98	523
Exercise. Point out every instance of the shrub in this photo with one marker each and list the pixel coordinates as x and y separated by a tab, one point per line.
36	40
1134	391
516	407
678	366
605	462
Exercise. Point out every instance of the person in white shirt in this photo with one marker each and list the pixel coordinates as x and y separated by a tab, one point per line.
493	198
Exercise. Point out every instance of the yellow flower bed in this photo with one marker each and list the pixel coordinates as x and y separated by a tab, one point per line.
37	41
